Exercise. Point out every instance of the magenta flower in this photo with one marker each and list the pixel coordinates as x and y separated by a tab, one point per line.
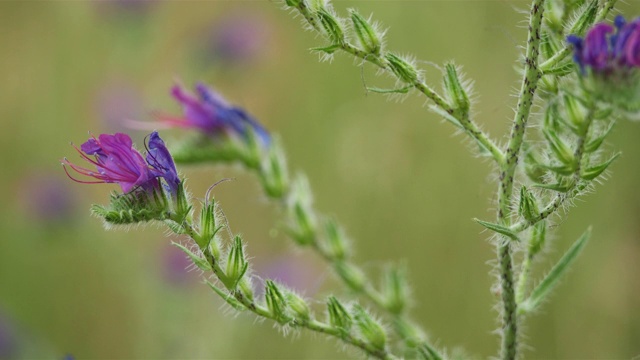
606	49
209	113
116	161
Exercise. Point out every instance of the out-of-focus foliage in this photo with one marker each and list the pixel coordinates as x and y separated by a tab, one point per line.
402	185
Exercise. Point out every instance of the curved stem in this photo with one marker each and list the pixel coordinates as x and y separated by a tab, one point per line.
470	127
257	309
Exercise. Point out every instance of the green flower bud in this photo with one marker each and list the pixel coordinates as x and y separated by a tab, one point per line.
237	264
336	242
367	35
277	303
339	317
403	69
371	330
395	289
528	208
455	91
298	306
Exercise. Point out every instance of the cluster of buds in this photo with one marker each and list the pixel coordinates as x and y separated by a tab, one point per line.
151	187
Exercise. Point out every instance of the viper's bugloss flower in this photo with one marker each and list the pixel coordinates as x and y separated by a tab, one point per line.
607	49
116	161
160	159
208	112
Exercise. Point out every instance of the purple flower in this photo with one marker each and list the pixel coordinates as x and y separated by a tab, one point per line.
160	159
606	49
209	112
116	161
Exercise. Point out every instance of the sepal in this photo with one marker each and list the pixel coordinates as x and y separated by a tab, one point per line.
134	207
370	329
402	68
528	207
339	317
276	303
237	264
366	33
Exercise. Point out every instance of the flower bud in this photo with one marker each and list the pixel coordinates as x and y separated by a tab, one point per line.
455	91
367	34
336	241
339	317
237	264
403	69
528	208
371	330
276	303
395	289
298	306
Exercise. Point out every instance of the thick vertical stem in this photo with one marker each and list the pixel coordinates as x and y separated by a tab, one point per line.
527	91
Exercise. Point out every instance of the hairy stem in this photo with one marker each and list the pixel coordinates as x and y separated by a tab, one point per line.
470	127
505	192
310	324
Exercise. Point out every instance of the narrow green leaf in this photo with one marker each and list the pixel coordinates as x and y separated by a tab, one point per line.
402	90
499	229
561	150
563	186
595	171
595	144
326	49
546	285
197	260
227	297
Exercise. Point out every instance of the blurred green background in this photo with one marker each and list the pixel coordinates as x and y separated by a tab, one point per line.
402	185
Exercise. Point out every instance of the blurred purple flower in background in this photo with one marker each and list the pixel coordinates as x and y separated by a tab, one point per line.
116	103
175	267
294	272
208	112
46	199
238	38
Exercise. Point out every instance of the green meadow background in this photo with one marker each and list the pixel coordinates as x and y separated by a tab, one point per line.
398	179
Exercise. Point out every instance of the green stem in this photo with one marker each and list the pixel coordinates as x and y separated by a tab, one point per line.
523	279
526	97
312	324
471	128
578	184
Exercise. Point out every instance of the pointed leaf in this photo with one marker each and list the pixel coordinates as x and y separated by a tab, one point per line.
498	228
227	297
197	260
546	285
595	171
326	49
595	144
402	90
